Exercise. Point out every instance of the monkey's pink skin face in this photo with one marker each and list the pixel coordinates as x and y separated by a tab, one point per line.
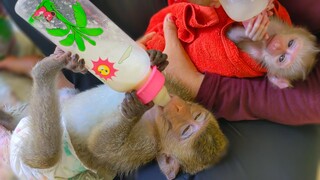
284	48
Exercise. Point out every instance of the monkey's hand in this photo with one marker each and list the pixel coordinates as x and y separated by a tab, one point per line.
132	108
256	27
74	63
159	59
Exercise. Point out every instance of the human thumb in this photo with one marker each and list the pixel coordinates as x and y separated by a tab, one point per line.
170	29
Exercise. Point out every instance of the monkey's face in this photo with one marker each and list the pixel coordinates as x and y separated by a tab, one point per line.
291	55
284	49
191	134
182	120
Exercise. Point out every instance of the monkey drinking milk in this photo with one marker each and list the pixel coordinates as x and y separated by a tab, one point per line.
288	55
216	44
108	132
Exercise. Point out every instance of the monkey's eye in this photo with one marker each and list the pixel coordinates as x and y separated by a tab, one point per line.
291	42
187	131
282	58
199	116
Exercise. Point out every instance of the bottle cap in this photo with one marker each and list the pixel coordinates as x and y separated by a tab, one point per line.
152	87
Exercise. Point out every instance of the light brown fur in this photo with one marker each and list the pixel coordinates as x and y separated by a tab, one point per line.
302	64
115	145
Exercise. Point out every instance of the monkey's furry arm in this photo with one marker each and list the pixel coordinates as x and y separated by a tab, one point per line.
42	149
130	113
121	143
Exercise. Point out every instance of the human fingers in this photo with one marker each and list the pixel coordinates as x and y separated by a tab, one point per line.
144	39
170	31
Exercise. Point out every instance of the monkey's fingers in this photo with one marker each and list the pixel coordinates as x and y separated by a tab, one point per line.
161	62
262	30
137	101
125	113
139	107
249	26
155	56
82	68
256	26
126	107
58	51
160	58
76	65
162	66
152	54
65	57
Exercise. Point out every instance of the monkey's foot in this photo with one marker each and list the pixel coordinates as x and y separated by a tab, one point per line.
76	65
50	66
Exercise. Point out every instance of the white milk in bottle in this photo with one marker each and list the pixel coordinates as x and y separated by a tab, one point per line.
242	10
110	54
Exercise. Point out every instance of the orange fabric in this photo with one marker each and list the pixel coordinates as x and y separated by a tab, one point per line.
202	33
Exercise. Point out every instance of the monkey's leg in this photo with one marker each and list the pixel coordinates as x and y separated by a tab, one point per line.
42	147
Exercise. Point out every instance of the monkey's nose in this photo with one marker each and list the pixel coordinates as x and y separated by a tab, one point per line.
276	46
178	107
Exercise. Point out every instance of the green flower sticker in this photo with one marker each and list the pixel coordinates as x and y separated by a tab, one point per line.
74	33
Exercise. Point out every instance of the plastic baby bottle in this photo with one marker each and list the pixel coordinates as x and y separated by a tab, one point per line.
242	10
110	54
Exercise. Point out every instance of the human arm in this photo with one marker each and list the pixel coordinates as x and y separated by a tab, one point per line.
19	65
251	99
244	99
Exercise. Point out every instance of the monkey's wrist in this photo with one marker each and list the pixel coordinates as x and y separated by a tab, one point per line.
129	118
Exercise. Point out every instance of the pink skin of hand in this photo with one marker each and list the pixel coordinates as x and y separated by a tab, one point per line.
256	27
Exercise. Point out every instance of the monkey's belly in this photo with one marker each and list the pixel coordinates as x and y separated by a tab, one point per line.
86	110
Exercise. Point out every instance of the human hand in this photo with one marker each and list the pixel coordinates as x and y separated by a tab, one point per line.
144	39
180	66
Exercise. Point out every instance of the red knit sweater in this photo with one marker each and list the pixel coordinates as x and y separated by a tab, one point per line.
202	33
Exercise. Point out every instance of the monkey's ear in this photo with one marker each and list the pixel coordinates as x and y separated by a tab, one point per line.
168	165
279	82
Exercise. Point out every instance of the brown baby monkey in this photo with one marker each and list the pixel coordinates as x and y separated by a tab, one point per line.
111	132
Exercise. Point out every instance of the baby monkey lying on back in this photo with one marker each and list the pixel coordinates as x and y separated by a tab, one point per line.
205	33
109	132
288	55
